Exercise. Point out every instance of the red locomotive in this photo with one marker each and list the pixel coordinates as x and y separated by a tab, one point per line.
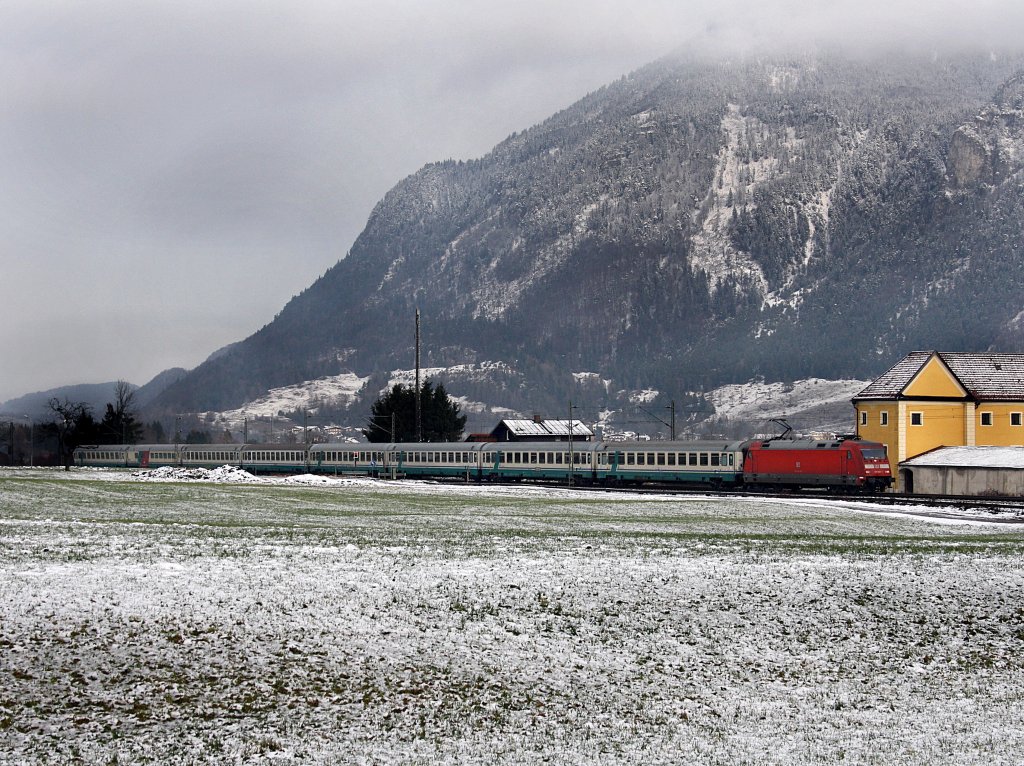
843	465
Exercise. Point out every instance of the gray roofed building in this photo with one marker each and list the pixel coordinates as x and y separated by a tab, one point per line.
988	377
539	429
966	471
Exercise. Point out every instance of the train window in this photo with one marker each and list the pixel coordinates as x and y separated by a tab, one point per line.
715	459
630	458
671	458
703	458
693	458
732	459
641	458
661	458
650	458
533	457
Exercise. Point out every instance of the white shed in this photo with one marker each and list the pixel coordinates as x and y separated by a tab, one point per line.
965	471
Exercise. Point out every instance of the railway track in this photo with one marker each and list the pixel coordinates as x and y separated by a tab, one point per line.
994	509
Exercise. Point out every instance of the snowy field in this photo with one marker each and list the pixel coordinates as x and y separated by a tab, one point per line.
318	621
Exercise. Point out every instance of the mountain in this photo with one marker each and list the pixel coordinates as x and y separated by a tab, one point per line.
694	224
145	395
96	395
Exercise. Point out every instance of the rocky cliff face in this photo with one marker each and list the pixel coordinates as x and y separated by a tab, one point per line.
692	224
990	149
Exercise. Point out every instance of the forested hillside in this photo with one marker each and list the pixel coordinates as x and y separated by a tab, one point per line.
692	224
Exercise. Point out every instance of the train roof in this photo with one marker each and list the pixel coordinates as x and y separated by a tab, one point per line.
695	445
813	444
392	446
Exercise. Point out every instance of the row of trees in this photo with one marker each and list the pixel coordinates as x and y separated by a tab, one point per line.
393	418
74	423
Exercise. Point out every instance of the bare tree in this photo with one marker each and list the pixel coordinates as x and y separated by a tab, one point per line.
119	422
73	422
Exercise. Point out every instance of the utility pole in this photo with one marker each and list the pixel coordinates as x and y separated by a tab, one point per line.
571	408
419	407
672	431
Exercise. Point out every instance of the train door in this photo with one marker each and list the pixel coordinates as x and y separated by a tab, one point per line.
144	458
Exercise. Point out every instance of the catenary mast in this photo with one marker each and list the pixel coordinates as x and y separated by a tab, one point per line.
419	412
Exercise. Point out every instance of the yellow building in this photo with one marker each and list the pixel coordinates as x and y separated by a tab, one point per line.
933	399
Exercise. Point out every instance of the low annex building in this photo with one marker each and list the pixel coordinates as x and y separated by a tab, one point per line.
932	399
966	471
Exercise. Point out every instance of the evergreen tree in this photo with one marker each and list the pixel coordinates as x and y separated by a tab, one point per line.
439	414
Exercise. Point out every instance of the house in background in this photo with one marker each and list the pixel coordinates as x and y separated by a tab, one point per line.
932	399
538	429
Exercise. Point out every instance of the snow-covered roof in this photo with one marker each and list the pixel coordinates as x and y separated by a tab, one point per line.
546	428
985	377
969	457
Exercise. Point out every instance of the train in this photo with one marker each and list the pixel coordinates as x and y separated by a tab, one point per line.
845	465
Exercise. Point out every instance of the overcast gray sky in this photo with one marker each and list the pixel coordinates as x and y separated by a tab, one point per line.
174	172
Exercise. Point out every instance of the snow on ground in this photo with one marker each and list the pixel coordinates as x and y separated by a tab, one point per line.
758	401
479	371
365	622
336	389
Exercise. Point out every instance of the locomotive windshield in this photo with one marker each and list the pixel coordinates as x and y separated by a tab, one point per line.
874	454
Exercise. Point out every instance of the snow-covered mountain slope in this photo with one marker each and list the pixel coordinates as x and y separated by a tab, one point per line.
811	406
694	224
